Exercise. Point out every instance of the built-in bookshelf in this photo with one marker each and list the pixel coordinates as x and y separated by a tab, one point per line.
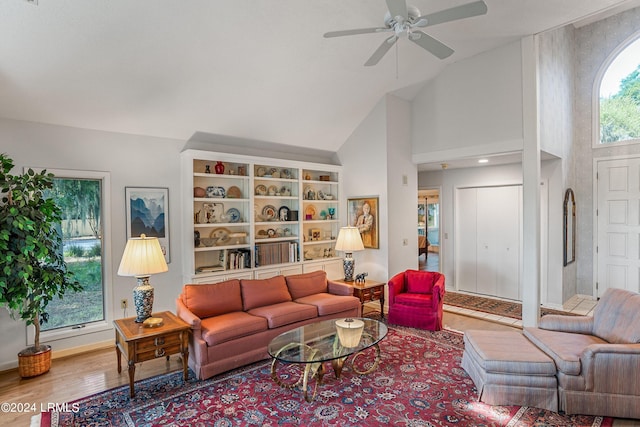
258	217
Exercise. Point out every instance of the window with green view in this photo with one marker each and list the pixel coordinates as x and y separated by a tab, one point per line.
81	233
620	97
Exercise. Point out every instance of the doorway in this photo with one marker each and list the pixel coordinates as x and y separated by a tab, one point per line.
618	224
429	229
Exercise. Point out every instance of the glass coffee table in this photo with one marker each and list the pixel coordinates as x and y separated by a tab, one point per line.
309	346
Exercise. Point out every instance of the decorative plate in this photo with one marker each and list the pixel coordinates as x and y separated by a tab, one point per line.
261	171
310	210
320	195
269	212
273	190
215	192
234	193
261	190
233	215
222	234
283	213
262	234
271	232
286	173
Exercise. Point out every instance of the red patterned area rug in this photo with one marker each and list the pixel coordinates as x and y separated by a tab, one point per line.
419	383
495	306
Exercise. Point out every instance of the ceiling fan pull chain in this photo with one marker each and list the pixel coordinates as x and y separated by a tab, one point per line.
397	61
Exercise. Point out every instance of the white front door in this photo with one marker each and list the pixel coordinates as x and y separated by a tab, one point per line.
618	225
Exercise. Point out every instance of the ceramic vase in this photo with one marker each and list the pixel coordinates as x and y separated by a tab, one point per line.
219	168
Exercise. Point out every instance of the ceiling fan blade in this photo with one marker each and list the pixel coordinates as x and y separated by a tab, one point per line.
381	51
397	8
430	44
459	12
354	32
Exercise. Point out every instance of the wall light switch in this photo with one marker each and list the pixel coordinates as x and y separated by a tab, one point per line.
405	180
405	242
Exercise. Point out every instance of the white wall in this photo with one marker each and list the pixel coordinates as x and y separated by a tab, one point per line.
402	188
364	160
131	161
375	158
557	93
592	49
473	103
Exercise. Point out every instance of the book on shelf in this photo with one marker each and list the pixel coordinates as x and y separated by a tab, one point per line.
276	253
239	259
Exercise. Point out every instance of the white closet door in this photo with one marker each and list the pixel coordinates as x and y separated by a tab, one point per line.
466	233
499	241
488	240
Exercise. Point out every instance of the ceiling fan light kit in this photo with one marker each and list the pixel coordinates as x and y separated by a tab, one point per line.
403	20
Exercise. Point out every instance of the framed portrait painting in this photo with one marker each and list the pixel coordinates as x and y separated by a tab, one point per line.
147	210
363	213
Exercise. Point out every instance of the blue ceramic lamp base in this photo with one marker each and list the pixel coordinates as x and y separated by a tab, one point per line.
143	299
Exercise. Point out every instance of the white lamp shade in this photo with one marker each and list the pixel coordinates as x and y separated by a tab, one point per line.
142	257
349	240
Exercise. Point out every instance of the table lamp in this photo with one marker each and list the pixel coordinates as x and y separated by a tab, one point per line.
142	257
349	240
349	331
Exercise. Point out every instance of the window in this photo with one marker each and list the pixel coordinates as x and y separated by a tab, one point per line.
82	197
620	97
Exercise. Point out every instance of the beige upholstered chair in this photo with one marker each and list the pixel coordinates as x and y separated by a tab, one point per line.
597	358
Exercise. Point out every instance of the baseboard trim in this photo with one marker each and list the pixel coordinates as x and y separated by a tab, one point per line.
59	354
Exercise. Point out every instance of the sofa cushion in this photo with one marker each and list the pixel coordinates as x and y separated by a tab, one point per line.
227	327
415	300
419	282
261	292
212	299
285	313
302	285
330	304
616	317
564	348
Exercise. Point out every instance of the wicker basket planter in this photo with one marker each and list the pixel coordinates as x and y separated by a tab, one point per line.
33	363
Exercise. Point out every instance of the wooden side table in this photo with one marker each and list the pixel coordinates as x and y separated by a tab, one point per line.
139	343
371	290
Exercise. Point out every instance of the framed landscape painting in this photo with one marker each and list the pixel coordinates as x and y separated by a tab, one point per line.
148	213
363	213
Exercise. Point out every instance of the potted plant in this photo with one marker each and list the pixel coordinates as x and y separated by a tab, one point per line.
32	266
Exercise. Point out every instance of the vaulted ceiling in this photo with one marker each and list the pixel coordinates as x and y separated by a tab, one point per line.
257	69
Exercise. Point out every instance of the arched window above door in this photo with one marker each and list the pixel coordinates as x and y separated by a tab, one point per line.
619	96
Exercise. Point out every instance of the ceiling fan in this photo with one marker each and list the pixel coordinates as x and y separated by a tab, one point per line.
406	20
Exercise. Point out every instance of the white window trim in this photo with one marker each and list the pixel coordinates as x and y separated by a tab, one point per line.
595	97
101	325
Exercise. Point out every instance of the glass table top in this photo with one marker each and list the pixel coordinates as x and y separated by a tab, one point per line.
319	342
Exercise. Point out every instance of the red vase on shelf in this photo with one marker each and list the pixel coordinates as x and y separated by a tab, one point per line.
219	168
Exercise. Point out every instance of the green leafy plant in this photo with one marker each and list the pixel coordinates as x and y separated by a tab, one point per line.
32	267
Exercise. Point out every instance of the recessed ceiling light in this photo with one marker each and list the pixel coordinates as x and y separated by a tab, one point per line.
483	161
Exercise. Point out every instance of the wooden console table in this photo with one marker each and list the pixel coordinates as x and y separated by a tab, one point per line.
139	343
371	290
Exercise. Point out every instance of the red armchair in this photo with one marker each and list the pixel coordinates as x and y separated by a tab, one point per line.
415	299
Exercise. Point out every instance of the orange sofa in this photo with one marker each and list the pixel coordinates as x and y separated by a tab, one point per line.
232	322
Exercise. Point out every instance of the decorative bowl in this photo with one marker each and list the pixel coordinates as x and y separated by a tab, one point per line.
208	241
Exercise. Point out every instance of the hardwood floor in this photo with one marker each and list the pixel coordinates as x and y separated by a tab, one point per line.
78	376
